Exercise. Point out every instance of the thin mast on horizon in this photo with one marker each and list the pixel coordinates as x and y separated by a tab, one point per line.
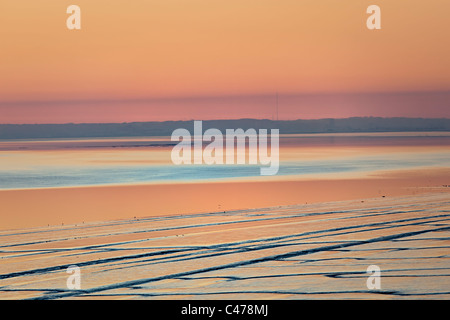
277	105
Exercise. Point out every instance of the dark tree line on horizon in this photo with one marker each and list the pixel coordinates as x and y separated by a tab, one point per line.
136	129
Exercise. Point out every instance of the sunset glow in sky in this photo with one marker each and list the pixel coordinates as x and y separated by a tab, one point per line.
172	59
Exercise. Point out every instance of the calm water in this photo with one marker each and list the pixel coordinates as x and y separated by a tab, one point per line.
40	164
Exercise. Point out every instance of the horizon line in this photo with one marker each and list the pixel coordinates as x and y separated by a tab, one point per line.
231	119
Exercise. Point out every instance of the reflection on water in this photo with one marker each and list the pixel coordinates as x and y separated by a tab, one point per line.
41	164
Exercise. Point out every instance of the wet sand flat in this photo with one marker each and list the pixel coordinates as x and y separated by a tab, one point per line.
30	208
304	251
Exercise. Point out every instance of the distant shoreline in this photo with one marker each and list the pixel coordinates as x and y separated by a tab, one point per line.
165	128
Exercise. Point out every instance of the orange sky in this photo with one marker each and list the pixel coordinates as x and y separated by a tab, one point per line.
166	49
